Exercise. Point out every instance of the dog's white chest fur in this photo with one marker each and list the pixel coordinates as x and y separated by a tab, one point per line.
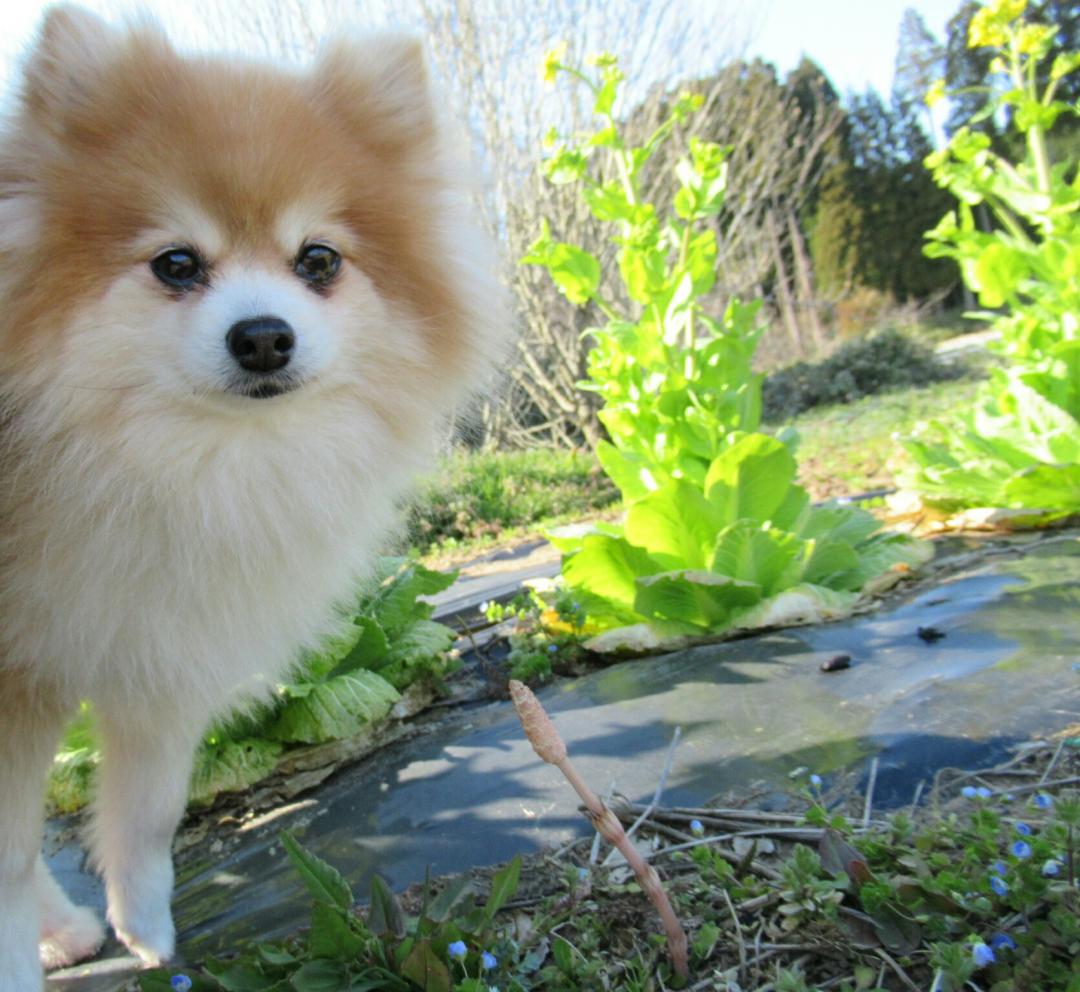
202	570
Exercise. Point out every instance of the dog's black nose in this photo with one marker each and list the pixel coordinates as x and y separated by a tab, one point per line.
261	344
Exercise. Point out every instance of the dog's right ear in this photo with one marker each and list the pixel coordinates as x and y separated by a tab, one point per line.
72	50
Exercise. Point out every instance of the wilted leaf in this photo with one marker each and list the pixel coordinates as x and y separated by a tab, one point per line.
838	857
230	766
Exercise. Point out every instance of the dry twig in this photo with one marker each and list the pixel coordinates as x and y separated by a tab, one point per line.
550	747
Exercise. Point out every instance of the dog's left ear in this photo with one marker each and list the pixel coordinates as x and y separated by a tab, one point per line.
380	85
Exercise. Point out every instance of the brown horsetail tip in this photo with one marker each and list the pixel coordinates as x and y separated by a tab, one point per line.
537	724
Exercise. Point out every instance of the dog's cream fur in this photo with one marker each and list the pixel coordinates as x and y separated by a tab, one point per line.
168	547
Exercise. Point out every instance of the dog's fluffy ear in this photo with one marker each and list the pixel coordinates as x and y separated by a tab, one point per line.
73	47
380	85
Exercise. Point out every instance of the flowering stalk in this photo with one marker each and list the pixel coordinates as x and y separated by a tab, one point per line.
549	746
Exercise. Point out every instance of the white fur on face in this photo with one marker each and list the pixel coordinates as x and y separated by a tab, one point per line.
241	293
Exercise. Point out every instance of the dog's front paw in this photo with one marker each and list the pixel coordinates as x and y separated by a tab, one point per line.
79	936
151	937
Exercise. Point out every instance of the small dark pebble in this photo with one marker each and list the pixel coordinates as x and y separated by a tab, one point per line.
837	663
930	634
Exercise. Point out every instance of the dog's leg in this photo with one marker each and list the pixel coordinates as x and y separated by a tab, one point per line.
143	788
28	734
69	933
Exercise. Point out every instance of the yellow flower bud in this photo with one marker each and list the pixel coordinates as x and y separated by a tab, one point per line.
553	61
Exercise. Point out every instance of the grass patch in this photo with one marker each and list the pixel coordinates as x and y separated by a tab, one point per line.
477	498
850	448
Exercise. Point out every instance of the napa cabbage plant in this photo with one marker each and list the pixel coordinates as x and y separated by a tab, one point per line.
717	531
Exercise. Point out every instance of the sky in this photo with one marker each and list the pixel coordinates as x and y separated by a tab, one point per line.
854	41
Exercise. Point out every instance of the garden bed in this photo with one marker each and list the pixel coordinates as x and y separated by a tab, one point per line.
463	789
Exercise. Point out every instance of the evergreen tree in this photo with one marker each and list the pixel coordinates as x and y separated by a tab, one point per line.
920	61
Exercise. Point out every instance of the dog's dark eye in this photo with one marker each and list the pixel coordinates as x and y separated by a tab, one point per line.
178	267
317	264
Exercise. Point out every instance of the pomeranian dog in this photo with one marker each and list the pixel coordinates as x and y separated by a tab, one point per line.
237	304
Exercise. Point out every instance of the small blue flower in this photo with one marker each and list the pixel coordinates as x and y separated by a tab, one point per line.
1022	829
982	954
457	949
1051	868
983	792
999	868
968	792
1002	940
488	961
1043	801
696	828
815	781
1020	849
552	648
181	983
583	874
999	885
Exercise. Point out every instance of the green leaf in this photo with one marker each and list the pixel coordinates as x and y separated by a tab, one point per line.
993	274
230	766
334	933
838	522
751	479
425	969
608	568
1049	487
440	908
772	559
675	524
334	709
702	599
563	954
241	977
834	564
608	202
630	471
395	603
370	649
320	976
503	885
575	271
385	915
644	271
422	640
323	880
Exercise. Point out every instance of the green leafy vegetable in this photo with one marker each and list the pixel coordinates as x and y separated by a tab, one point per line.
1020	446
716	527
